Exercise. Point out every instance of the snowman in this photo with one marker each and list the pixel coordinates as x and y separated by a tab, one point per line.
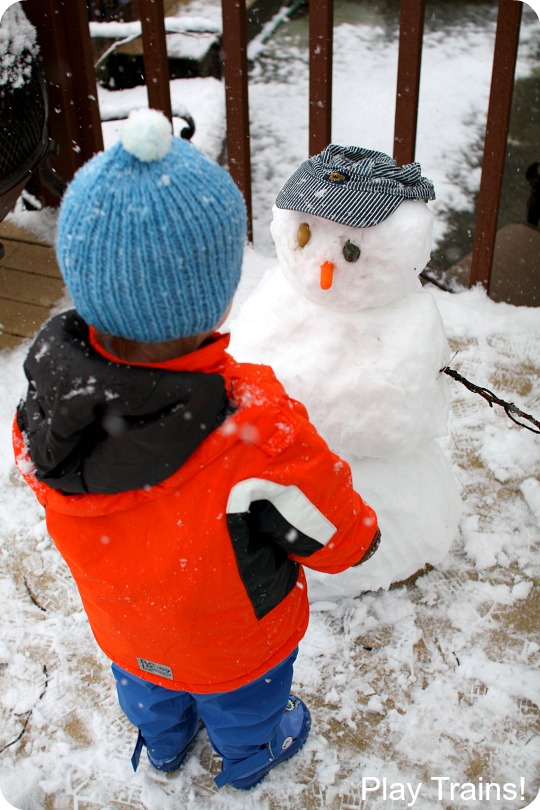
350	332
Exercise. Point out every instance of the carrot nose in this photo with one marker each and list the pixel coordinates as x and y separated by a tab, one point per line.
327	275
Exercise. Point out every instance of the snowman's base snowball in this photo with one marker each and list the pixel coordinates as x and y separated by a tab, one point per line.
418	506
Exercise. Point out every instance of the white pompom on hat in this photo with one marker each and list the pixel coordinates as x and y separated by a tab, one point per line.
147	135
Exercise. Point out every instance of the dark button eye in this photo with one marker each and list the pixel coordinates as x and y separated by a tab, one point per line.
351	252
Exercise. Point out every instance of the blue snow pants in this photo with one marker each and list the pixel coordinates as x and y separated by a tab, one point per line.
238	723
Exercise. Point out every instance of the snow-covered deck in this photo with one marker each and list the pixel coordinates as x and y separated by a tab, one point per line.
433	679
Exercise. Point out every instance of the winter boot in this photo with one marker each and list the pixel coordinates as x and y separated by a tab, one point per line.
291	736
166	765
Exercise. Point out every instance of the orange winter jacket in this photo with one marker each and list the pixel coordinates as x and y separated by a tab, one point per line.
188	552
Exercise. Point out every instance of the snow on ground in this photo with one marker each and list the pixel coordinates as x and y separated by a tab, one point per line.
430	683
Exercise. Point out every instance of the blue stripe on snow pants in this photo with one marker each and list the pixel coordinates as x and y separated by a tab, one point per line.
239	723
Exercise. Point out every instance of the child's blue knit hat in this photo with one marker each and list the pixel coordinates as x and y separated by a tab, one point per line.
151	236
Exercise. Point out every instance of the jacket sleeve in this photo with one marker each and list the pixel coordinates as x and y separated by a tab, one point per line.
304	501
25	464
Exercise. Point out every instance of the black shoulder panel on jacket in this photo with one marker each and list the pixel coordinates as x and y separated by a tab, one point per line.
96	426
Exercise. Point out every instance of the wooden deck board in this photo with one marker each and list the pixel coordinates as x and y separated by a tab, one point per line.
30	258
30	284
8	230
30	288
21	320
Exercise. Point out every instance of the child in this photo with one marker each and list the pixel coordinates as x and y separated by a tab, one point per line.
184	490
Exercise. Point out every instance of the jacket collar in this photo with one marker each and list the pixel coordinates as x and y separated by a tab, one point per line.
209	358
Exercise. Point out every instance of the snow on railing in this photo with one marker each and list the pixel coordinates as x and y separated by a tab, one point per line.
173	25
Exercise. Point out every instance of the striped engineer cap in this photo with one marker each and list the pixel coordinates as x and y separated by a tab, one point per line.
353	186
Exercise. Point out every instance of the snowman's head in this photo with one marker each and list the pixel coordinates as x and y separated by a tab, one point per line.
343	267
352	229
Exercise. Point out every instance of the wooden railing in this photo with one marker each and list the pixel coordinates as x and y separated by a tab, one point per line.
72	90
498	119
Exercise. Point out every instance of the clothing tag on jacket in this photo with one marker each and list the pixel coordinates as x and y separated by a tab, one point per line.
155	669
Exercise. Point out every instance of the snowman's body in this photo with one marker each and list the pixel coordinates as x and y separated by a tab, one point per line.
365	389
363	346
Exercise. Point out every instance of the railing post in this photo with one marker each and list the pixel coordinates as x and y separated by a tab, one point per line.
411	32
73	112
156	65
321	30
235	74
498	119
83	78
